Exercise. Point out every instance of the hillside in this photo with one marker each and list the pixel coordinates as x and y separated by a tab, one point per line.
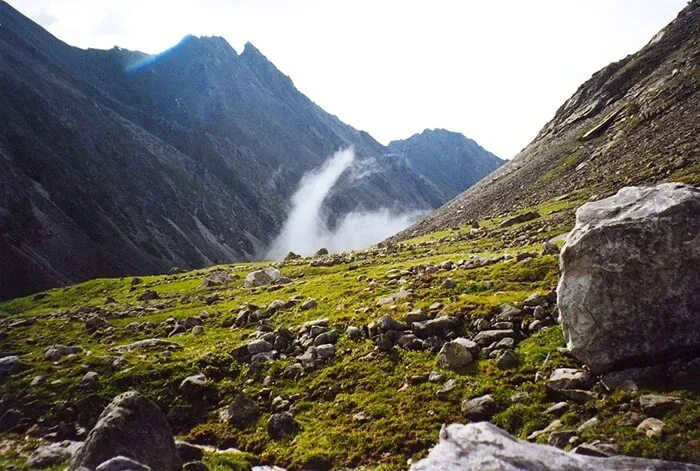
116	162
449	160
361	403
635	121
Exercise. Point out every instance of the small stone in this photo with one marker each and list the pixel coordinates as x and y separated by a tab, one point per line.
354	333
242	412
560	438
508	359
89	380
569	378
52	454
651	427
325	351
435	377
281	425
454	356
479	408
446	388
448	283
308	304
590	423
658	406
558	409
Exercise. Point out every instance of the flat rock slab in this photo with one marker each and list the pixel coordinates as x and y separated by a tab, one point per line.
484	447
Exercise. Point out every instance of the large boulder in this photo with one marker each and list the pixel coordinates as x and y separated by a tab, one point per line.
133	427
629	291
485	447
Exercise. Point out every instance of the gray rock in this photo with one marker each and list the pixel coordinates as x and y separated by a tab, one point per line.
258	346
9	365
354	333
550	248
569	378
387	323
188	452
308	304
326	338
130	426
52	454
651	427
89	380
508	359
263	277
281	425
454	356
561	438
95	323
194	387
446	389
122	463
479	408
487	337
524	217
485	447
242	412
438	327
655	405
56	352
630	285
325	351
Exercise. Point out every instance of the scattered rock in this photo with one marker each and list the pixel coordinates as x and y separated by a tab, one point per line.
89	380
263	277
217	278
56	352
130	426
629	274
122	463
569	378
524	217
454	356
281	425
188	452
479	408
242	412
308	304
651	427
9	365
52	454
508	359
658	406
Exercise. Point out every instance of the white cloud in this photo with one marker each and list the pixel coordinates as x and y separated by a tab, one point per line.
494	70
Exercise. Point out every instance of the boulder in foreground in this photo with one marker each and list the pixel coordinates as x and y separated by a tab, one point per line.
629	292
484	447
133	427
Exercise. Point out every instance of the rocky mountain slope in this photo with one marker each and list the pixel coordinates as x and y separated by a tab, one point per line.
449	160
116	162
635	121
357	360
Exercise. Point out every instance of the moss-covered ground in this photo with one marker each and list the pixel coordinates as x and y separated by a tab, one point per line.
401	422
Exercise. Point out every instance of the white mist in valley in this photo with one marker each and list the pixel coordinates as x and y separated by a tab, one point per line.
305	230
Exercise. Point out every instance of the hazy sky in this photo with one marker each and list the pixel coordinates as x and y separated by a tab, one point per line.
495	70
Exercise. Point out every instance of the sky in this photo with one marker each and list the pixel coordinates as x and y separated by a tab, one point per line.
494	70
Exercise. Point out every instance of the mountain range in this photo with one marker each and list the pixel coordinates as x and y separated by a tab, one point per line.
116	162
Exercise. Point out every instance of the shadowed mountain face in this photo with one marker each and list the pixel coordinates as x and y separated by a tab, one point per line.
636	121
116	162
447	159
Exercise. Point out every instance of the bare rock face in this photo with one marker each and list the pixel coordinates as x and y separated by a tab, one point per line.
629	292
483	446
131	426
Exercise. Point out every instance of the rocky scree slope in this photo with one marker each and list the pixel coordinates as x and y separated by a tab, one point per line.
449	160
116	162
336	361
635	121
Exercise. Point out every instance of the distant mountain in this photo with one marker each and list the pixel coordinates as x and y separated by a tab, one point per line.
117	162
451	161
636	121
